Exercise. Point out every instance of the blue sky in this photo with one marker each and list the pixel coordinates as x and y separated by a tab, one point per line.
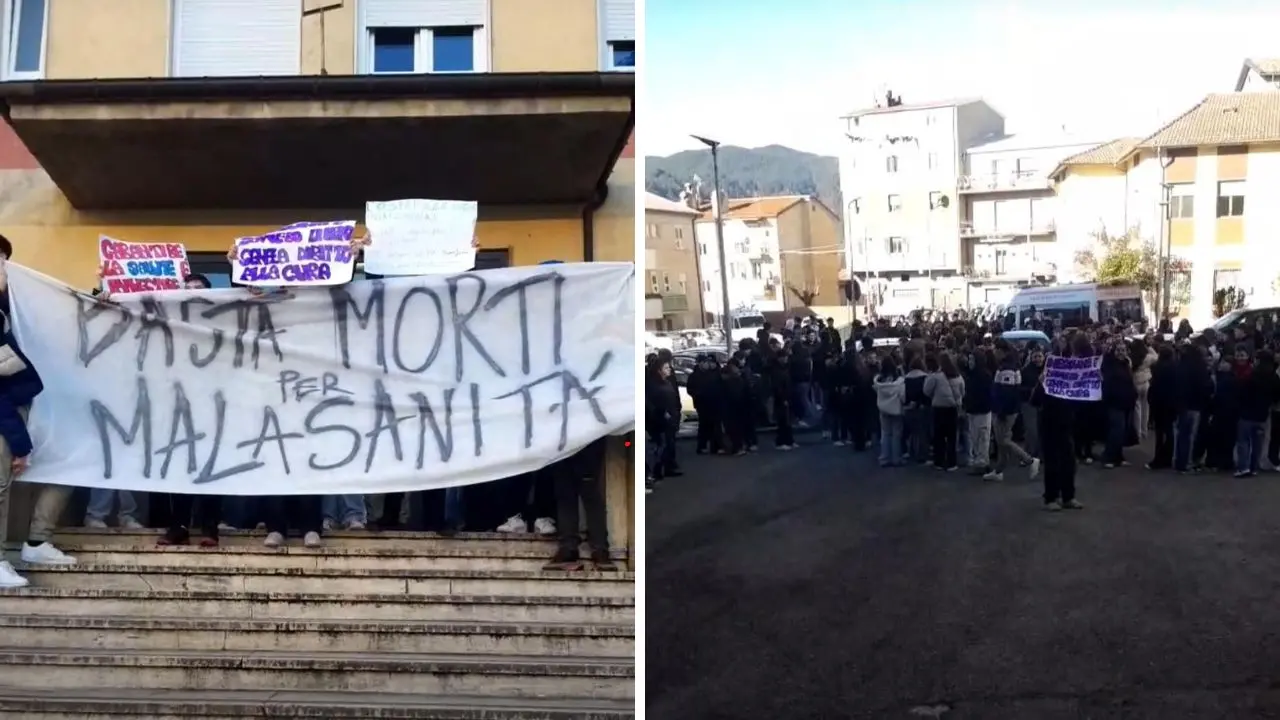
757	72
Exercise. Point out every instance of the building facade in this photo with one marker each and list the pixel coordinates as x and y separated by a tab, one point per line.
781	254
899	177
1008	214
671	265
1201	187
200	121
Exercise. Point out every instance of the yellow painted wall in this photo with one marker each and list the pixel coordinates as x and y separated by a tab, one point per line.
339	42
806	226
114	39
1182	232
130	38
54	238
1230	231
545	36
615	223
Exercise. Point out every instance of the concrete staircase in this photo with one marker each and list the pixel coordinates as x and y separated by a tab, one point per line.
374	625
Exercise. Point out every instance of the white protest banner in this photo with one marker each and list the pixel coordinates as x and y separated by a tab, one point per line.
1073	378
141	267
420	237
306	253
371	387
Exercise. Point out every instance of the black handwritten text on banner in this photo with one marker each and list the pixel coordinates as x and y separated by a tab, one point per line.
369	387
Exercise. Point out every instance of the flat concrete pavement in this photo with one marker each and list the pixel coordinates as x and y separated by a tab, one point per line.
813	584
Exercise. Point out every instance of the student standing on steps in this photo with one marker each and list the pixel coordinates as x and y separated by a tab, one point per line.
19	386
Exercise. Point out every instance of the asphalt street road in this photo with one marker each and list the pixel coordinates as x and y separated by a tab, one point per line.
813	584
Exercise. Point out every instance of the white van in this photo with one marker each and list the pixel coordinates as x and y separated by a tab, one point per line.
746	325
1077	303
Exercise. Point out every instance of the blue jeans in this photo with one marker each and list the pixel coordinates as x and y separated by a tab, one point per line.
100	505
805	409
1249	438
345	508
1184	438
890	439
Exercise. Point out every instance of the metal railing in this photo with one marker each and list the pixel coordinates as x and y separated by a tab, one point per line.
1023	180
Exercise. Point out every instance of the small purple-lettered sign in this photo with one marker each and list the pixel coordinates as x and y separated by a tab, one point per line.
305	253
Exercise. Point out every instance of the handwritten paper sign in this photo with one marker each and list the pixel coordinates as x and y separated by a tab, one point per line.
374	386
141	267
1073	378
307	253
420	237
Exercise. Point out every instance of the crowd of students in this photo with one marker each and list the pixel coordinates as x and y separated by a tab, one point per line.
955	393
548	501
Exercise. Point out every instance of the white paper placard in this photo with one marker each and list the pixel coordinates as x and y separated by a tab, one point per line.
420	237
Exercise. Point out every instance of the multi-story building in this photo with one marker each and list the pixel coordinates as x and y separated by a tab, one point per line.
1091	191
200	121
671	265
781	254
1007	210
1202	186
898	177
1259	74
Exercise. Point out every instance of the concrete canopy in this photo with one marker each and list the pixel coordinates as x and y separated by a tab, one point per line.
325	141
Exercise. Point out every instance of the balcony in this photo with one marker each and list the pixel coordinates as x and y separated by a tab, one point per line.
675	304
1013	271
1003	182
1003	234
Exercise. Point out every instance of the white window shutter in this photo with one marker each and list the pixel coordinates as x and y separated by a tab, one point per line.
234	38
424	13
619	22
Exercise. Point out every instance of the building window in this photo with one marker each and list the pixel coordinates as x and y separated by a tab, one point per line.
1231	198
935	200
622	55
1001	257
683	281
679	244
930	119
651	230
26	24
855	206
1223	279
1026	167
706	286
666	283
891	164
1182	203
702	248
895	246
679	233
895	203
426	50
933	161
653	283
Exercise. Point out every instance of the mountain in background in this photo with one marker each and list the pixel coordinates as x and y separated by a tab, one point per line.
748	172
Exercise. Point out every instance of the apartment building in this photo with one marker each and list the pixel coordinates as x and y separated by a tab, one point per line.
781	254
1203	186
899	179
1259	74
671	265
201	120
1008	214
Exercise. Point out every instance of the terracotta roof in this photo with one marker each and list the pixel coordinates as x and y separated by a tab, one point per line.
658	203
1108	153
1264	66
1223	119
755	208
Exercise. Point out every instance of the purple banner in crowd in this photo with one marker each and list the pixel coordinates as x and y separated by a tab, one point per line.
1073	378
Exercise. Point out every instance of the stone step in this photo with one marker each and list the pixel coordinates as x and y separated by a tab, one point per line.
456	556
91	602
435	674
48	632
485	542
326	580
122	704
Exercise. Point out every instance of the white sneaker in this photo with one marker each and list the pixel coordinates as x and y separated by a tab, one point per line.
129	523
224	527
328	524
514	524
839	443
10	579
355	525
45	554
1035	468
95	524
274	540
993	476
544	526
312	539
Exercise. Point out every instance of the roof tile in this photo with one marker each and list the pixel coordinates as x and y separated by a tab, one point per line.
1223	119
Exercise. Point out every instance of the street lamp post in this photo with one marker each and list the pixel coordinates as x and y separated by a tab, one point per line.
717	206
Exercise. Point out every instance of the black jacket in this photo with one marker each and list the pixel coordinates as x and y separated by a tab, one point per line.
1118	390
1194	387
1259	393
1163	394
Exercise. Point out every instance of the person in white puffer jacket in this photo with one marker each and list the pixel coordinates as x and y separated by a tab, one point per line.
1143	359
891	395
